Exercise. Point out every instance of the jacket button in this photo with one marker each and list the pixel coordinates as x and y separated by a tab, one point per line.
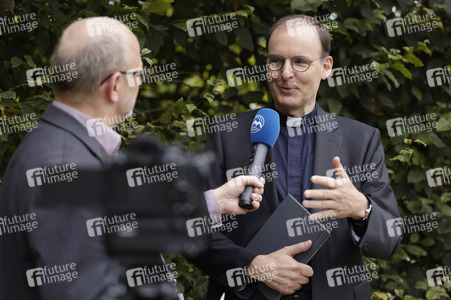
366	247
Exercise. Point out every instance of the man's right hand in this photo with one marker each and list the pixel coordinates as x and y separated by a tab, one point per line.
290	275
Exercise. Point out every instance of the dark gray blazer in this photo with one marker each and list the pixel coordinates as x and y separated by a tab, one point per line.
356	144
61	236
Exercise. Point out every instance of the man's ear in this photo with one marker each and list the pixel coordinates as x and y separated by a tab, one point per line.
113	87
327	67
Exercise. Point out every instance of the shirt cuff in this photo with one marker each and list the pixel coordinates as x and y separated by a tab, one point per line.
213	209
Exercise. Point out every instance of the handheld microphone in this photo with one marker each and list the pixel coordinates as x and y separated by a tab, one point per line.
264	133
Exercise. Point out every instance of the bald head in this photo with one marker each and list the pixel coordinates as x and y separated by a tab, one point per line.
97	47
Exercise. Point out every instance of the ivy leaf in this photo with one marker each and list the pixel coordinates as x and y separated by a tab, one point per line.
166	117
416	250
431	138
15	61
245	37
410	57
145	51
142	21
10	94
422	46
190	107
156	7
415	175
401	68
417	93
444	123
445	209
30	61
178	107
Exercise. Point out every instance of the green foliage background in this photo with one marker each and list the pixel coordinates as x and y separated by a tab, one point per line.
201	89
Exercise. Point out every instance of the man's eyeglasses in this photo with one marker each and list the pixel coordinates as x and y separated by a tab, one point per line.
139	73
299	63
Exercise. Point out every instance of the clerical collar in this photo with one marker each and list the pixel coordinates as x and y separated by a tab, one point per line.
306	120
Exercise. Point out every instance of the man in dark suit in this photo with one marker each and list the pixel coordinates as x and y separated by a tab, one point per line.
312	144
45	250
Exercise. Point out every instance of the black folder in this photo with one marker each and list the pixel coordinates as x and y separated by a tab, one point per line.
288	225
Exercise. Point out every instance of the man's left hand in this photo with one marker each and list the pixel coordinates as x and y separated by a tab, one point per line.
342	199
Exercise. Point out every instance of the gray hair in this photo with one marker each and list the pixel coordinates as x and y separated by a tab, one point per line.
95	60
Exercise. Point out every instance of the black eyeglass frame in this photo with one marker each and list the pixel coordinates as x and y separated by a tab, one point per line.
291	60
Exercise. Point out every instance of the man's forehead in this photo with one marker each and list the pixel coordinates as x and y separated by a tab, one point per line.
301	32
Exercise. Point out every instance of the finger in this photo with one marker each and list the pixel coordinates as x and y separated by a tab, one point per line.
255	205
340	171
319	194
306	272
262	180
251	180
323	215
320	204
256	197
324	180
259	191
298	248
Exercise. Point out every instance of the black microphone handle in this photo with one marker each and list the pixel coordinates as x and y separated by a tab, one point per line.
254	169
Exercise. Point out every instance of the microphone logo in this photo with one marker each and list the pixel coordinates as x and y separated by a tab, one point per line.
257	124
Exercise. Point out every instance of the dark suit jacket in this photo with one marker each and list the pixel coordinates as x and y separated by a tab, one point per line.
61	235
356	144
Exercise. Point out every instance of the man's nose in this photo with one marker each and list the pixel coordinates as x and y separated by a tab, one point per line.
287	70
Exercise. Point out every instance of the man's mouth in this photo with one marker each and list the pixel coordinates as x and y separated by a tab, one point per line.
286	89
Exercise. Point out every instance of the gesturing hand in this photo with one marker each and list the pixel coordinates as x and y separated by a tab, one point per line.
342	199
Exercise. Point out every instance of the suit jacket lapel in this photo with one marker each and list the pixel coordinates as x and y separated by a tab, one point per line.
270	187
327	145
61	119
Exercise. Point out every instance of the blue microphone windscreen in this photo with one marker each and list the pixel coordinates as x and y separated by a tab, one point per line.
265	127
